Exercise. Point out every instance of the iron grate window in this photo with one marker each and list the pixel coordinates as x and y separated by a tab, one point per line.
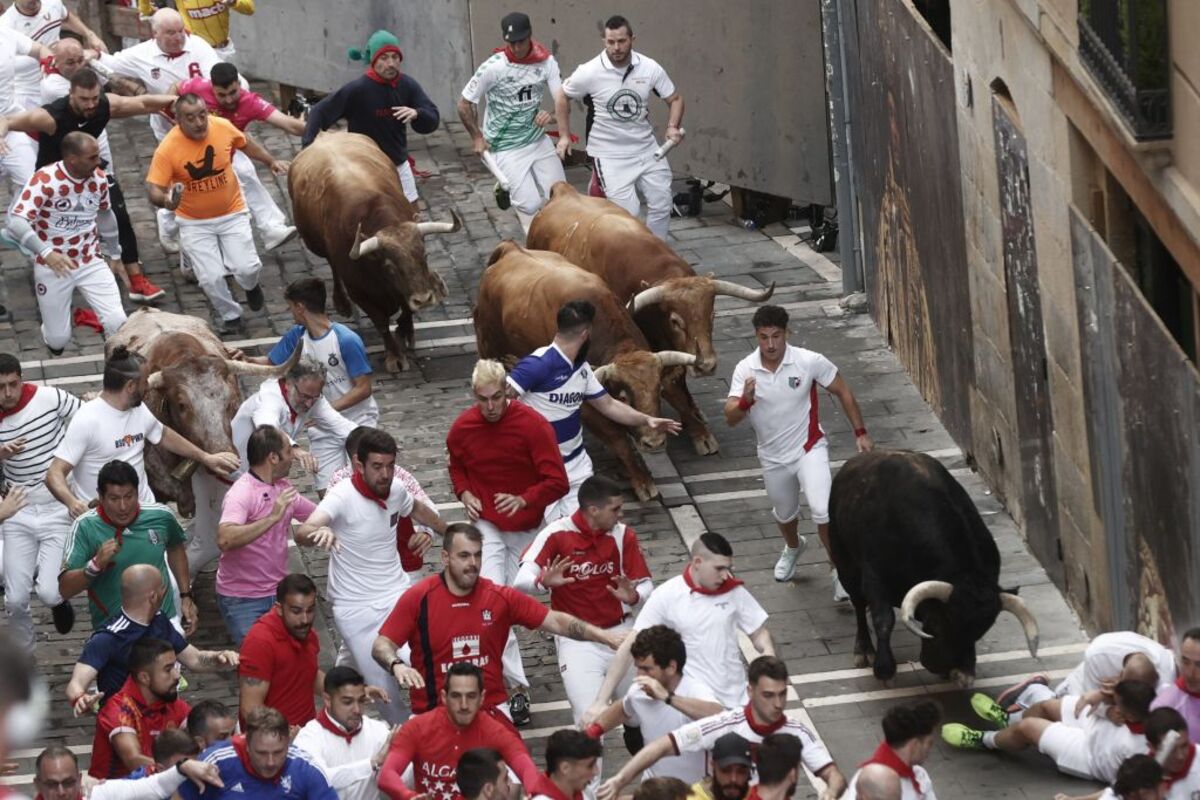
1124	44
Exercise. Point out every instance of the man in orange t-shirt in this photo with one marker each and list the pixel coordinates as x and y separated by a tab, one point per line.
192	175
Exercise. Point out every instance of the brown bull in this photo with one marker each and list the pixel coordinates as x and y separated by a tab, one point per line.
351	211
192	388
519	297
670	303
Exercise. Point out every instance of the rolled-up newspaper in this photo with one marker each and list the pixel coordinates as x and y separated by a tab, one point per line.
489	161
666	146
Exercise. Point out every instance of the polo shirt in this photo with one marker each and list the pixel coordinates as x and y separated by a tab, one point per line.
701	735
251	106
597	558
128	712
551	385
365	564
618	100
442	628
159	71
107	650
709	625
145	541
656	718
255	569
784	415
301	778
271	654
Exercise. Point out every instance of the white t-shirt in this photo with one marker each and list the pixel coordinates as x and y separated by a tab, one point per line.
268	406
347	765
158	70
12	45
1108	745
99	433
514	97
44	28
922	791
365	568
620	100
656	719
342	352
701	735
784	415
1105	657
709	624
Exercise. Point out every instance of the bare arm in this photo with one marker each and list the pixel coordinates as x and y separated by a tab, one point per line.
835	782
208	660
317	520
160	196
612	716
616	670
425	515
223	464
287	124
574	628
125	745
646	757
35	120
470	120
136	106
56	482
74	23
623	414
81	678
252	694
762	641
674	116
696	708
178	564
562	117
841	390
360	389
259	153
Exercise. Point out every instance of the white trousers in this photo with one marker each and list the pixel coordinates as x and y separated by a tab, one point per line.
579	469
202	538
810	474
501	560
531	171
226	52
408	182
623	178
94	281
34	539
583	666
218	247
20	162
358	626
266	213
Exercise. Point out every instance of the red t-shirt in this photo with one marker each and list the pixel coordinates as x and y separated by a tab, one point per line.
433	744
596	558
272	654
128	712
472	628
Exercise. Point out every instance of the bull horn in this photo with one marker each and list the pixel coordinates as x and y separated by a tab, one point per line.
674	358
155	381
925	590
1016	606
264	370
744	292
455	223
363	247
603	372
646	297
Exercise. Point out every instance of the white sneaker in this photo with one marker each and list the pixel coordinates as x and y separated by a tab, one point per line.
785	567
840	595
170	244
274	237
185	268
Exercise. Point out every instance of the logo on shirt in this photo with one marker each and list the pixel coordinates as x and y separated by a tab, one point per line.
625	106
587	569
565	398
793	383
129	440
204	168
155	73
41	288
152	535
487	616
524	93
464	647
285	783
333	360
237	787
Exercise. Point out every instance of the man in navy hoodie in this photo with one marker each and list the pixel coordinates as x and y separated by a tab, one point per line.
382	103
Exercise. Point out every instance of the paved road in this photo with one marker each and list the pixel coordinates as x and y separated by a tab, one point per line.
721	492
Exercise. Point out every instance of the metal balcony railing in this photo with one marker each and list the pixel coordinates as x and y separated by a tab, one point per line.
1124	45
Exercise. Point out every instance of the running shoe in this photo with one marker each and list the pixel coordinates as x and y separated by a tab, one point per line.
840	595
785	567
141	290
988	709
956	734
518	707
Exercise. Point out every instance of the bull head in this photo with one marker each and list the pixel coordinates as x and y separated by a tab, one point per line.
636	379
403	248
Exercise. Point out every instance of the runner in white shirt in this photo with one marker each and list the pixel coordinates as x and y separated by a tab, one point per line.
775	387
116	426
63	220
763	715
18	152
42	21
348	745
660	700
616	87
513	80
365	576
709	608
293	403
32	422
909	732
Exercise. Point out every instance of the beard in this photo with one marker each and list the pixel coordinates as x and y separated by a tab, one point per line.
136	400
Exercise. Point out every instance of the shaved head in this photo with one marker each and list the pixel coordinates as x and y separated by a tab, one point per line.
137	580
165	17
877	782
66	45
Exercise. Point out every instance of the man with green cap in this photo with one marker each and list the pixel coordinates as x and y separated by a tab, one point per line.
381	104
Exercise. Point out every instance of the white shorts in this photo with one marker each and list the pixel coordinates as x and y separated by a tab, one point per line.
408	182
218	247
531	170
1067	745
810	474
579	469
583	666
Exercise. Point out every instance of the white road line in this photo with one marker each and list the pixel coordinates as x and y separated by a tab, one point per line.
911	666
733	474
746	494
914	691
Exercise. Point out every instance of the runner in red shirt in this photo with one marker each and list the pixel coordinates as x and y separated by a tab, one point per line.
594	569
572	762
457	617
278	660
145	706
434	742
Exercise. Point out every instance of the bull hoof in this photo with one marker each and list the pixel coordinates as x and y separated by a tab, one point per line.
395	365
705	444
645	491
861	660
963	680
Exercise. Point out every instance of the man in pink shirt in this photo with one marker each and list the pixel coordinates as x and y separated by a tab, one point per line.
225	97
256	516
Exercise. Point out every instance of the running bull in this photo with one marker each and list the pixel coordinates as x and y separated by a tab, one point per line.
351	211
519	297
904	533
670	303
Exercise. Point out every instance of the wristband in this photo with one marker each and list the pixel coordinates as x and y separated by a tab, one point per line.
180	763
92	569
395	661
670	697
745	404
860	432
594	731
188	595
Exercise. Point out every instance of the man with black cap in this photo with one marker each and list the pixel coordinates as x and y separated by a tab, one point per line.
729	777
513	140
381	104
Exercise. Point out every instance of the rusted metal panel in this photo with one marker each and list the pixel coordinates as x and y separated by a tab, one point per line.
1027	341
910	192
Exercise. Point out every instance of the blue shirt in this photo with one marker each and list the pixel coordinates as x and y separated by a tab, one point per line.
344	357
554	387
300	779
107	650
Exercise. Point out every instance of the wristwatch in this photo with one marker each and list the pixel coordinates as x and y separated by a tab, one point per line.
392	666
188	595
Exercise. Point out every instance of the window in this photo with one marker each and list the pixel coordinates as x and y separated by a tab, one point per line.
1124	45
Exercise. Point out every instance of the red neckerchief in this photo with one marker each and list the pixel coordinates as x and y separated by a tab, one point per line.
333	726
758	727
728	586
1182	684
28	390
1171	777
283	391
48	68
366	491
118	530
375	76
536	55
239	746
550	789
581	523
1136	727
886	756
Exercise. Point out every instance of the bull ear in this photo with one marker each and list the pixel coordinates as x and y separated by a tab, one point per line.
155	381
604	372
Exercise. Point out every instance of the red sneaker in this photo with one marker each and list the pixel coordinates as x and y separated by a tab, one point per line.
141	290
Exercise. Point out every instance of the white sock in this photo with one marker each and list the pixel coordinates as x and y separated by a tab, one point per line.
1015	716
1034	693
989	740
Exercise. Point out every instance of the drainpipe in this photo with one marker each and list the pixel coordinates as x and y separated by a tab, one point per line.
837	43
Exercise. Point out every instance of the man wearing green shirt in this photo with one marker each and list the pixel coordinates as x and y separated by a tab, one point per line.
117	534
